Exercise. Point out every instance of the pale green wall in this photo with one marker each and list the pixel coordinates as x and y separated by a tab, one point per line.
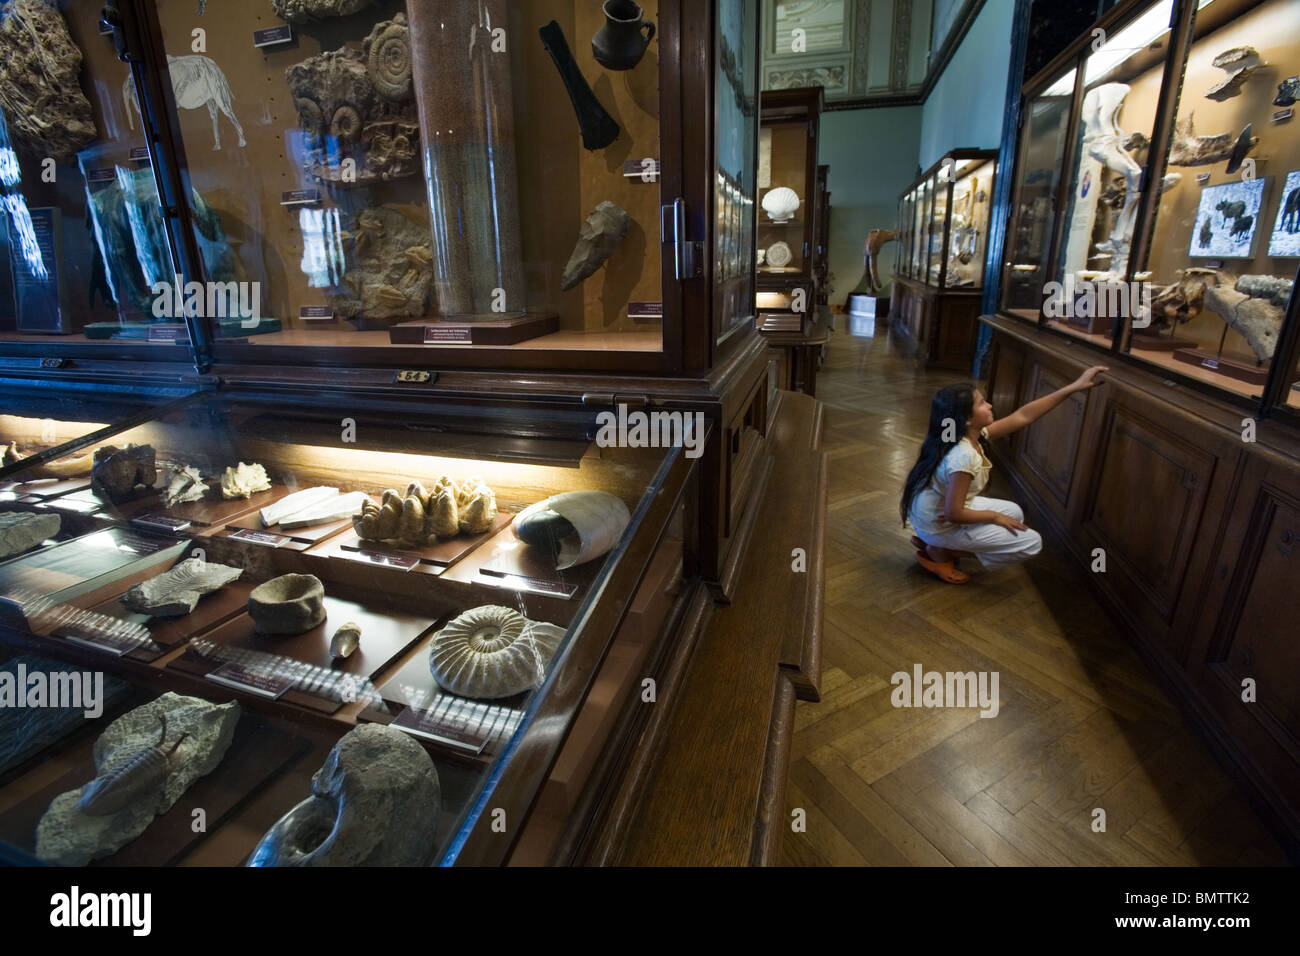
872	158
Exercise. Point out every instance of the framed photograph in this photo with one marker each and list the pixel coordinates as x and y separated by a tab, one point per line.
1285	240
1228	219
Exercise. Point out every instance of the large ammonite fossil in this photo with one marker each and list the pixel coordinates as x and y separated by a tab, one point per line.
491	651
388	58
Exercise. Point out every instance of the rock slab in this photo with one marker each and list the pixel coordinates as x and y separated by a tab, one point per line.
21	530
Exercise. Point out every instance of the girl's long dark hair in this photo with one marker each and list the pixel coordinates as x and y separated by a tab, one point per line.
952	403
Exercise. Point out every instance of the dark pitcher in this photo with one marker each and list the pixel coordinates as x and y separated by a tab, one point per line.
620	43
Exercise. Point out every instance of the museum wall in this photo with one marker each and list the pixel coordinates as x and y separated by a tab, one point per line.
872	158
965	106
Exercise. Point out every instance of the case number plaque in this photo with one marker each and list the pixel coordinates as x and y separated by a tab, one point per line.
264	538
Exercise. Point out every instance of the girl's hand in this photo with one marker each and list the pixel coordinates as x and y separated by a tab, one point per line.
1086	380
1010	523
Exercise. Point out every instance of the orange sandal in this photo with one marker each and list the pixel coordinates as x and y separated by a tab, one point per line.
944	570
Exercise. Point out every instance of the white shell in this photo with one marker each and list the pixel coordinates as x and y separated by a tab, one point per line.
780	203
779	254
491	652
244	481
598	518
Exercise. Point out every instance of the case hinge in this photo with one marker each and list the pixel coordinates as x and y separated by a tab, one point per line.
687	256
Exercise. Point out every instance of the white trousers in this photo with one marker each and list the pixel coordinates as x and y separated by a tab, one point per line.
995	546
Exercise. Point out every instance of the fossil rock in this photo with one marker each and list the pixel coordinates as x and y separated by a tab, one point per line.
358	105
289	604
21	530
1270	288
599	236
117	471
40	93
1190	149
184	483
345	640
1287	92
389	267
1239	63
244	481
304	11
491	652
1184	299
68	836
136	776
375	802
598	520
1257	319
418	516
177	591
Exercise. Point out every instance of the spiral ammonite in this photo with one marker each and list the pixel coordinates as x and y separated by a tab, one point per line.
491	651
346	123
390	62
310	117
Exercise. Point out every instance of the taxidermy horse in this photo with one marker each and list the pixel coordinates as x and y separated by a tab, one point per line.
196	81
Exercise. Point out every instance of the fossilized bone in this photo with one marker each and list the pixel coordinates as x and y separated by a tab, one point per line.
1102	140
876	240
196	81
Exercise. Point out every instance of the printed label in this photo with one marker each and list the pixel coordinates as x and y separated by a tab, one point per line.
313	313
117	646
265	538
536	585
645	310
251	679
272	35
140	154
159	522
299	197
442	334
443	727
402	562
166	332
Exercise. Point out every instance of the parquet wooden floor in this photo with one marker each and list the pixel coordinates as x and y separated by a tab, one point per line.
1081	724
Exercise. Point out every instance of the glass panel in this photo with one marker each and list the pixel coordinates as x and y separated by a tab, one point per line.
968	238
736	105
1038	174
941	195
1122	80
474	173
924	213
1224	250
782	222
433	589
914	237
83	237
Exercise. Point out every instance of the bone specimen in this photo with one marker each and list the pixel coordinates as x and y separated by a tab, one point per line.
417	516
40	94
1240	148
358	105
20	530
1252	305
244	481
1239	63
345	640
876	240
196	81
1190	149
491	652
139	774
1102	141
297	501
598	127
599	236
389	267
184	484
1271	288
1287	91
1183	300
289	604
594	520
117	471
177	591
304	11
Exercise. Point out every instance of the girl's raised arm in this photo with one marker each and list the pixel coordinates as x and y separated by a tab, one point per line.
1039	407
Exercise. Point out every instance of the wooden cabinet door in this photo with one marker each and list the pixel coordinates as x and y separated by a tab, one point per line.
1047	449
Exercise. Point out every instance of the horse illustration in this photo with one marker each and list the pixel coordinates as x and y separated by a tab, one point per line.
1291	212
196	81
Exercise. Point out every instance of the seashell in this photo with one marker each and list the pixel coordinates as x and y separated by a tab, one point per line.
137	775
388	50
779	255
177	591
184	483
310	116
273	514
444	517
411	527
491	652
598	519
345	124
345	640
289	604
780	203
244	481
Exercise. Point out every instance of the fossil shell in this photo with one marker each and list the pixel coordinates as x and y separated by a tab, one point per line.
491	652
598	520
184	483
444	516
289	604
345	640
310	116
177	591
345	123
244	481
779	255
388	50
780	203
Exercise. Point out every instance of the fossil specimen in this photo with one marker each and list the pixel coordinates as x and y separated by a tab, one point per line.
374	802
297	501
598	127
358	105
244	481
1244	144
1183	300
1258	320
177	591
1239	63
117	471
780	203
876	240
419	516
389	267
1271	288
1287	91
491	652
345	640
40	93
69	466
143	771
574	527
289	604
70	836
303	11
9	454
331	509
184	483
196	81
599	236
20	530
1190	149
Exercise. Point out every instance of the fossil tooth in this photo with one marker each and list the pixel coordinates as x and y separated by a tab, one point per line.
444	519
411	527
345	640
599	236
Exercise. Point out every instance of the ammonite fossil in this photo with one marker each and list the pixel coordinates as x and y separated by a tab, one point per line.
345	124
491	652
388	52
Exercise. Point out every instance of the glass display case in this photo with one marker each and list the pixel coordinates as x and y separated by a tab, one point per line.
944	225
1177	199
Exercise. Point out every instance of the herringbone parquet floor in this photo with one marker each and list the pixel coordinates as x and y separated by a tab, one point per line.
1082	725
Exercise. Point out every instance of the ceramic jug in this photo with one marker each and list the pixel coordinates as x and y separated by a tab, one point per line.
622	41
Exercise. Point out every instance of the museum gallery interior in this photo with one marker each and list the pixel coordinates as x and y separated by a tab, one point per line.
472	433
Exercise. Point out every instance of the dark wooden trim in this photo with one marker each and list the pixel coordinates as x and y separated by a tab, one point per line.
725	586
769	822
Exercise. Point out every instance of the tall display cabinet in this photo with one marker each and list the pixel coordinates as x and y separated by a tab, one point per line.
1153	229
402	260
